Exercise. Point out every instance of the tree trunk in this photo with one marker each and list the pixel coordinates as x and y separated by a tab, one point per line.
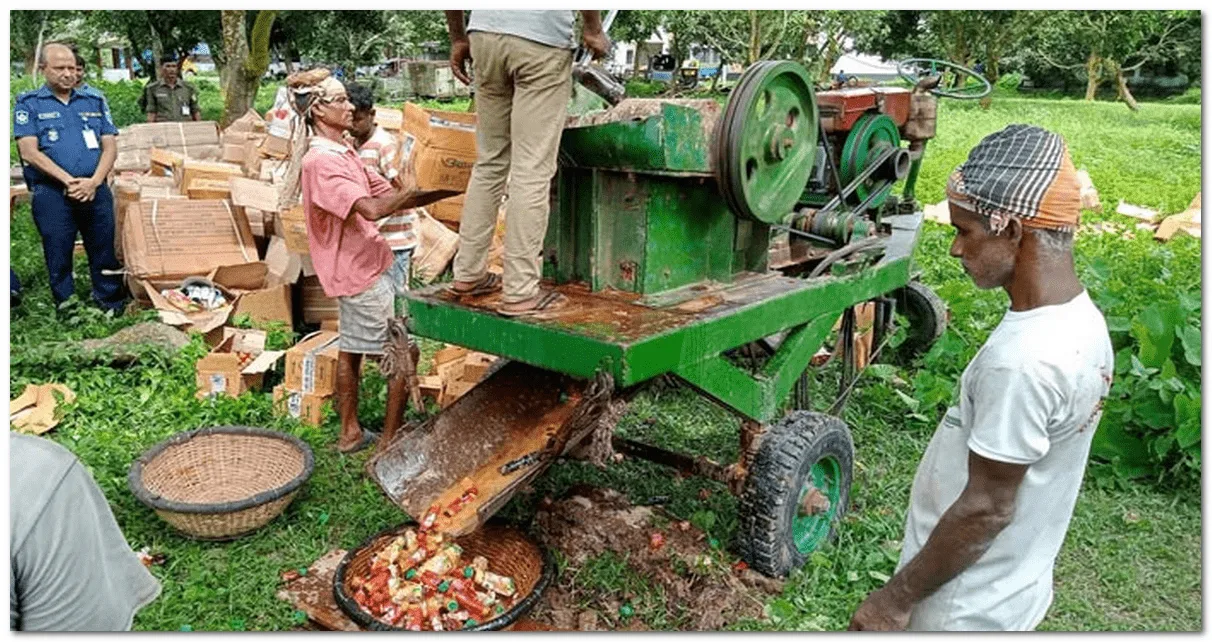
245	65
720	71
235	50
38	49
1093	73
157	47
755	37
1124	94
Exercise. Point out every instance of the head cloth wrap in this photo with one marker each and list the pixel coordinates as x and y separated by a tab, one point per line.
1023	172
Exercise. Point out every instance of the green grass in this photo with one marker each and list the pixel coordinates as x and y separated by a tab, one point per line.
1132	560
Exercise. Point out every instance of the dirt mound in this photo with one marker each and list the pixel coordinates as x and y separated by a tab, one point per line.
696	586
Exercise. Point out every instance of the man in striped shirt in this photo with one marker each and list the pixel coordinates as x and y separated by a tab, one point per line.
379	151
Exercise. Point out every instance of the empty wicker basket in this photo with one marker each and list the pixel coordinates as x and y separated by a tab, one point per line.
223	482
508	550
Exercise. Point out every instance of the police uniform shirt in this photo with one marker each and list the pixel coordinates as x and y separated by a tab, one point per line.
169	103
69	134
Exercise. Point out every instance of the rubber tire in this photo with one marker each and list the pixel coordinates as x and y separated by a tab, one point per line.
768	502
927	314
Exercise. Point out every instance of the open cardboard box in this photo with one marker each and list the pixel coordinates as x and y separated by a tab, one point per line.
441	145
249	288
224	371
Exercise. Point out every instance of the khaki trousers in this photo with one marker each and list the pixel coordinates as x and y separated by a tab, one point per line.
522	92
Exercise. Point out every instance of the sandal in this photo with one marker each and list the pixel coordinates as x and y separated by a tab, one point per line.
545	302
368	437
486	284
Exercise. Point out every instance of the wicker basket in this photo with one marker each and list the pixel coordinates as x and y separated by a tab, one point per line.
223	482
508	551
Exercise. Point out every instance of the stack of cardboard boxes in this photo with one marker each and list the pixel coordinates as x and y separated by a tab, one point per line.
192	201
311	378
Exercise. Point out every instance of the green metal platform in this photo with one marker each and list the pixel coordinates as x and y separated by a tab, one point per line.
635	340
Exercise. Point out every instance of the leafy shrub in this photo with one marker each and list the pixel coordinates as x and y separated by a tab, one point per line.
1010	81
645	88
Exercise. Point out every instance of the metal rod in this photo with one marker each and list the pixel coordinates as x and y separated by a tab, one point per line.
700	466
911	181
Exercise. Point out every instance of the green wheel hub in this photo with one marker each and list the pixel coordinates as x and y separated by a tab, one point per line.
871	135
766	141
817	505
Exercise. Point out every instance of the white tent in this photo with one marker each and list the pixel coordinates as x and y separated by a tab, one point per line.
864	67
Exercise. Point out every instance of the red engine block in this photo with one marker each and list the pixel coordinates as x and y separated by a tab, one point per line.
841	108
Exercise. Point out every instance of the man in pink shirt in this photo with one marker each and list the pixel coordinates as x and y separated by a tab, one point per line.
351	258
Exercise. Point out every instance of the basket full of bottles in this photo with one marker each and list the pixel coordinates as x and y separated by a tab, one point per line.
414	578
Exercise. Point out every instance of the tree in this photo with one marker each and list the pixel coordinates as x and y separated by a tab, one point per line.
246	62
1106	44
29	30
738	36
826	35
636	26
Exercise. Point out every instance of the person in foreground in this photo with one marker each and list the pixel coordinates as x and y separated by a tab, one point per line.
995	490
523	80
70	568
343	199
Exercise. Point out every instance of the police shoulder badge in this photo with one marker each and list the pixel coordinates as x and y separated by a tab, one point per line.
52	135
22	117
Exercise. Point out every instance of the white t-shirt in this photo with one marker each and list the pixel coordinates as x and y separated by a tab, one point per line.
1032	395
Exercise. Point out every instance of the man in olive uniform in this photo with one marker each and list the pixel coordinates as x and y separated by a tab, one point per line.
169	99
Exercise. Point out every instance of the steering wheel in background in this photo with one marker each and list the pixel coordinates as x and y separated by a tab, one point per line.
914	69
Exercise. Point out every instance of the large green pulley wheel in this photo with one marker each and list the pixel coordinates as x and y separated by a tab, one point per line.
765	142
872	134
796	491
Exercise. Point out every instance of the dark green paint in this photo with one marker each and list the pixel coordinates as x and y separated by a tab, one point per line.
673	140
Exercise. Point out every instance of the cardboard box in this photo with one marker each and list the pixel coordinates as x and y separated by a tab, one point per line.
259	195
284	266
307	408
291	225
389	119
252	156
311	365
190	139
317	306
249	288
192	170
165	162
275	147
203	189
178	238
437	246
236	365
272	171
250	122
441	146
233	154
449	210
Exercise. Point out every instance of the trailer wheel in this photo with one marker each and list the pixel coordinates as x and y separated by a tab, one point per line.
796	491
927	316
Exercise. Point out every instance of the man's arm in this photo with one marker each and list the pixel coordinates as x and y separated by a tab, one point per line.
460	46
374	208
591	33
28	146
962	535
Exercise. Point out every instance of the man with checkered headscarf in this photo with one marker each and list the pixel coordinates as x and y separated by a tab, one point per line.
343	199
995	490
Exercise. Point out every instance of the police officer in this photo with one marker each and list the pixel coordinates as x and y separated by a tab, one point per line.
67	147
169	99
82	86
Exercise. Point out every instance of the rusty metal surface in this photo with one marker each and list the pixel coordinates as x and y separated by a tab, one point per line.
515	411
